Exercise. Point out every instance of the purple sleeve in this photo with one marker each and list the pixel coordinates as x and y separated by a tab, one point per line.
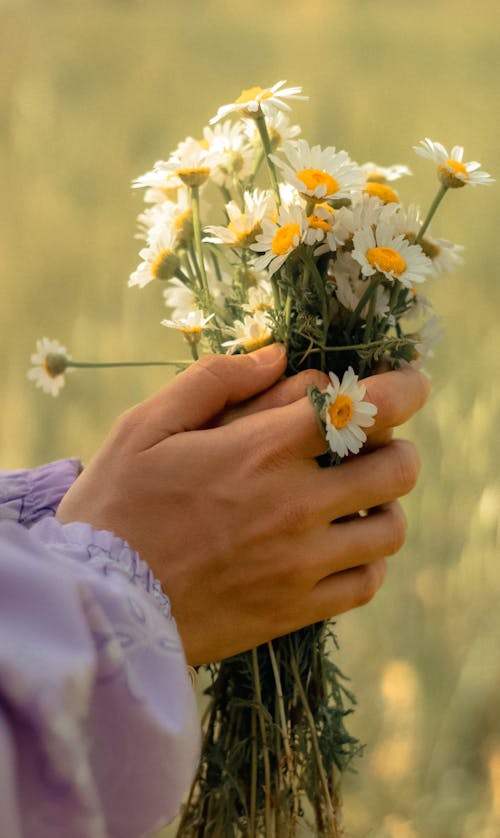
99	733
26	496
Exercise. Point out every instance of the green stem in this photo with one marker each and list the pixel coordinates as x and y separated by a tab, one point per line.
263	733
433	207
195	198
363	301
284	733
91	364
330	814
368	328
266	142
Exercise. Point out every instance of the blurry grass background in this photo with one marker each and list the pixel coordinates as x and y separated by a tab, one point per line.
91	94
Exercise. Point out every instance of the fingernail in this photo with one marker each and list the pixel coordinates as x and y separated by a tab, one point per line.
269	354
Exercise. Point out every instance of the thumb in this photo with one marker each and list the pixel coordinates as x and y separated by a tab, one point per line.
212	384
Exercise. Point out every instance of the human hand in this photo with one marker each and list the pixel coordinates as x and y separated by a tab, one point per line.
236	520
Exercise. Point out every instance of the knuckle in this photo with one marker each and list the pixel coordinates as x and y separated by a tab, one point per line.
295	513
396	529
406	465
370	578
215	365
313	378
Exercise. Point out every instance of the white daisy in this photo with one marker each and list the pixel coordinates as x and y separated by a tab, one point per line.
179	298
319	174
345	414
444	255
322	228
231	154
176	217
50	363
365	211
190	162
159	260
427	337
278	127
260	297
279	239
257	101
161	184
452	171
381	251
384	174
191	325
251	333
244	225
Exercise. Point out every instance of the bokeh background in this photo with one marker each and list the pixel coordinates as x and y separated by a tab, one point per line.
92	92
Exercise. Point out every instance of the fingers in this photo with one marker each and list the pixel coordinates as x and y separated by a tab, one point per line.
377	478
284	392
377	535
346	590
198	394
398	395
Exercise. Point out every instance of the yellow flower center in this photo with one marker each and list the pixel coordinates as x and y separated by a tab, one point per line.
191	330
251	94
341	411
165	265
319	223
285	239
311	178
257	341
183	220
458	167
386	259
193	176
382	191
54	364
245	236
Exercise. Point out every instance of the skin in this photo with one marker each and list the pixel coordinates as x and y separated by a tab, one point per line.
214	482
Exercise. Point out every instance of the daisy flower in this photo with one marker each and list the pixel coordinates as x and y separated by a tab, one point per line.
244	225
191	325
452	171
255	102
251	333
260	297
384	174
190	162
279	239
345	413
319	174
381	251
322	228
365	211
230	153
278	127
50	363
444	255
159	260
161	184
179	298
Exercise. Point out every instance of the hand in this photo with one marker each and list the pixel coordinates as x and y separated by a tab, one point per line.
236	520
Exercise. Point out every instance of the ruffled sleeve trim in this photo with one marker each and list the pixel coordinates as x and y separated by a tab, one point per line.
26	496
106	553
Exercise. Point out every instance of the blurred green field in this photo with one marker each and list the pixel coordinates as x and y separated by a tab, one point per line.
91	94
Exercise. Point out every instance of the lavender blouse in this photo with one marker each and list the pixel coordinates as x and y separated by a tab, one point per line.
99	734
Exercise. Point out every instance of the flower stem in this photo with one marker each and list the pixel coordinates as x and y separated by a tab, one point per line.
266	142
263	733
91	364
195	199
314	738
286	738
363	301
432	209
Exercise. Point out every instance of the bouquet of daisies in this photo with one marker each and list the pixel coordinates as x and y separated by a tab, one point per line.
258	236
